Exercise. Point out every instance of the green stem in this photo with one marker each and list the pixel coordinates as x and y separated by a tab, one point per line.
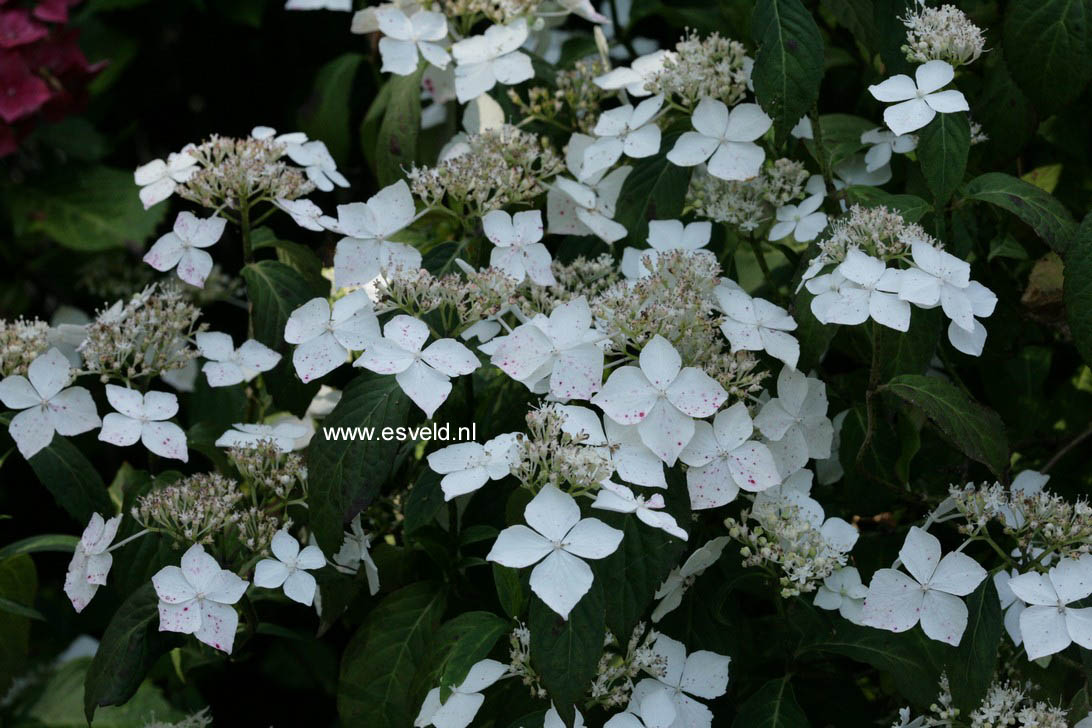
244	230
756	246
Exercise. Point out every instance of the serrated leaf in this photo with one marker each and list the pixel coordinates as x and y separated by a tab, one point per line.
1046	215
773	706
383	655
975	430
654	190
789	63
1047	44
85	208
565	652
396	141
943	147
346	475
326	115
1077	285
71	479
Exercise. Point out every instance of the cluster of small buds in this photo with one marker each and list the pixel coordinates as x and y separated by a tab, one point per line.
1042	523
783	540
143	337
749	203
498	167
473	296
944	34
112	275
192	510
1006	704
589	277
711	67
235	171
978	136
548	456
617	669
942	708
21	341
499	11
256	528
519	661
579	95
201	719
269	470
877	231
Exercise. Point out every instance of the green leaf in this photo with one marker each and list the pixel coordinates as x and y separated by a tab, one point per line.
458	645
275	291
1045	214
61	542
424	501
565	652
1078	288
773	706
814	337
942	151
975	430
1047	44
382	657
346	475
911	207
654	190
369	127
85	208
18	584
72	479
130	646
789	64
841	137
971	667
396	142
326	115
857	16
911	351
510	590
19	610
298	257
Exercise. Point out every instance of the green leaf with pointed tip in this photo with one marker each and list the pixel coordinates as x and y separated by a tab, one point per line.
459	644
773	706
565	652
72	479
970	668
1047	44
942	151
1043	213
789	64
396	141
325	116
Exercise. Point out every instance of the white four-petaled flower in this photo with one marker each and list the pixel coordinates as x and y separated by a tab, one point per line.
1048	624
919	98
795	421
843	590
755	324
586	205
406	35
661	398
884	143
621	444
144	418
664	236
158	179
182	247
196	599
804	221
91	561
726	140
355	552
289	568
896	602
557	541
367	252
47	407
519	252
467	466
482	61
227	365
466	698
423	374
860	287
670	593
286	436
701	674
325	335
620	499
624	130
634	79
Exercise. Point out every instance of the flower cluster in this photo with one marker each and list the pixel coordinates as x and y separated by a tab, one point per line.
944	33
575	101
620	665
233	172
194	509
711	67
747	204
21	341
1005	704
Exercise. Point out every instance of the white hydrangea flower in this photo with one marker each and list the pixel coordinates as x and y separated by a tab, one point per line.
158	179
896	602
318	164
634	78
1010	603
483	61
343	5
196	599
940	278
620	499
183	247
289	568
144	417
466	698
366	251
843	590
227	365
859	288
467	466
47	407
655	709
519	252
587	206
795	421
355	552
1026	483
670	593
287	436
803	128
726	140
804	221
324	336
303	212
404	36
629	456
920	98
755	324
424	375
664	236
558	544
661	398
723	459
883	144
1048	624
701	674
561	351
625	130
91	561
